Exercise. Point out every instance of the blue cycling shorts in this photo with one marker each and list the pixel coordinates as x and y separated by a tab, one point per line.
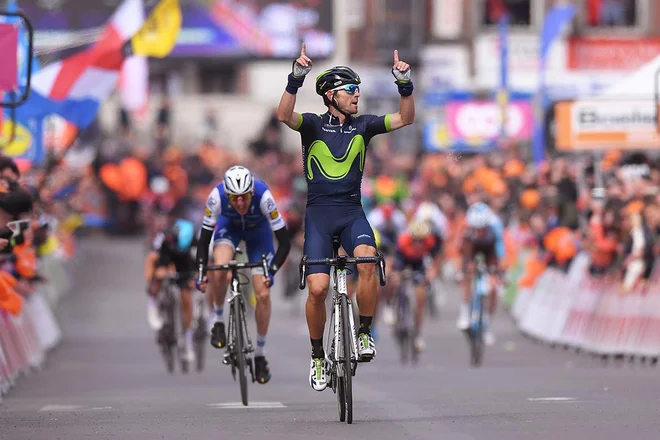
257	240
322	223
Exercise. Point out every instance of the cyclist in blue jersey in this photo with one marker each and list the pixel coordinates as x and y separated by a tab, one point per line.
484	235
242	209
172	245
334	148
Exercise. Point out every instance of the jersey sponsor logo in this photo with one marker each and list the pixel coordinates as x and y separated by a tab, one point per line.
270	204
328	130
207	212
274	214
331	167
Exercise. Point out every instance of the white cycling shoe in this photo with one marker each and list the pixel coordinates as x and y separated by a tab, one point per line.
318	375
366	347
153	314
463	318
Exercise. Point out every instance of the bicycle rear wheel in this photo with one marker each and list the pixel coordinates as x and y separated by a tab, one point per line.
239	346
346	361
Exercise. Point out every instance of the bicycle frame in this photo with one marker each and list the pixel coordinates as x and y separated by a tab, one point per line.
480	290
341	289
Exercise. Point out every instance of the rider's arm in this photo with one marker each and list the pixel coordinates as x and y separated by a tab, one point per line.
283	247
405	115
277	225
285	111
212	211
150	266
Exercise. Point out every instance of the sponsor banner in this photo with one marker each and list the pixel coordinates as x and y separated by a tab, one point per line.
613	54
477	122
596	125
210	28
474	125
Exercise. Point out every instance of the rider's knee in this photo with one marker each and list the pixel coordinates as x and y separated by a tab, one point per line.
318	289
262	294
366	270
160	273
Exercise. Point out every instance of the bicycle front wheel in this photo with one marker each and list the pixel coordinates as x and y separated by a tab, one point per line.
239	346
477	340
347	364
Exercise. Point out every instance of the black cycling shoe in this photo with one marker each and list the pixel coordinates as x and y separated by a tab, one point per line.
262	373
218	338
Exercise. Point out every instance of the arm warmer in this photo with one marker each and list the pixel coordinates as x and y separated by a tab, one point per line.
283	248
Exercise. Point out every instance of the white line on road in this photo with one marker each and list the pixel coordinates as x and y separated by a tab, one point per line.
551	399
61	408
251	405
101	407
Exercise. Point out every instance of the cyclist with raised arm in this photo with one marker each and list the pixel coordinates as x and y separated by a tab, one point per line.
483	235
242	209
171	246
334	148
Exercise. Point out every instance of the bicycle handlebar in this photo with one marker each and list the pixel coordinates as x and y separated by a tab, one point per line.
342	261
233	264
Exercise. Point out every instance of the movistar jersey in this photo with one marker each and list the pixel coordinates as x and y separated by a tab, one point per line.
333	155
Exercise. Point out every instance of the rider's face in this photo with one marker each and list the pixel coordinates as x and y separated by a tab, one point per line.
347	102
241	203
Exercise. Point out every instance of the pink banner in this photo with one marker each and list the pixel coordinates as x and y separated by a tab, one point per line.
475	122
8	57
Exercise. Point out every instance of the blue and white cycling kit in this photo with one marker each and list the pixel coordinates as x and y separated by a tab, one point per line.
256	227
497	226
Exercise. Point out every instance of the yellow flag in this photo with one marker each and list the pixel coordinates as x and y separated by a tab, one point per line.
157	37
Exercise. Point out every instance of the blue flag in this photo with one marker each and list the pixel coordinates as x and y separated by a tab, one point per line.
555	21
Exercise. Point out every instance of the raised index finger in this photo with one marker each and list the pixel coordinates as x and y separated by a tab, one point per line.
302	50
396	56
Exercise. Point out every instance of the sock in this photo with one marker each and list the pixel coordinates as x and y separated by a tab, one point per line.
317	348
189	337
261	346
365	324
219	313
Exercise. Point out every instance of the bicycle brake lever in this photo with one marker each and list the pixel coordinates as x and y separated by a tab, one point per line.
302	269
381	270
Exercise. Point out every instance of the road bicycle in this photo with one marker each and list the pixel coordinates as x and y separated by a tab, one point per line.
342	340
239	345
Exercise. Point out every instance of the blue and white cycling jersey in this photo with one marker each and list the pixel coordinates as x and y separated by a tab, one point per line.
262	210
255	228
497	226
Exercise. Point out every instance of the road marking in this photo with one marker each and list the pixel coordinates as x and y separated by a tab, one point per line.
61	408
101	407
251	405
551	399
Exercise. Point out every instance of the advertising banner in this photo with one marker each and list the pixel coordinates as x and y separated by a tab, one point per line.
218	28
611	54
598	125
474	125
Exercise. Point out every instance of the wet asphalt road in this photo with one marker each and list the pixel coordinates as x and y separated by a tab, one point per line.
108	381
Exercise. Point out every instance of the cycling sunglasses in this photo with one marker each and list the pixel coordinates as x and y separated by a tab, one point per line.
349	88
234	198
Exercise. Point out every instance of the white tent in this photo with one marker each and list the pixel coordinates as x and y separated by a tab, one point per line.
638	85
